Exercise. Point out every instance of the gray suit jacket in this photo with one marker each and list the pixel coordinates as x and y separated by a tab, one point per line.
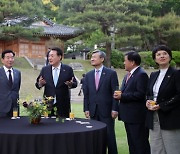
9	95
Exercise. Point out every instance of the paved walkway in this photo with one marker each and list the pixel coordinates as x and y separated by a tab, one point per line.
74	95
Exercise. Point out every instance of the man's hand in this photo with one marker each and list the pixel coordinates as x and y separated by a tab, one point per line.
117	95
114	114
87	114
69	83
41	81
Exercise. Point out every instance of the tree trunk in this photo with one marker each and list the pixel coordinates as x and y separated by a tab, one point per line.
108	54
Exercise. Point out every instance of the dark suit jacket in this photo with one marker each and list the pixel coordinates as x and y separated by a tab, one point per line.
132	107
9	95
61	90
168	99
103	97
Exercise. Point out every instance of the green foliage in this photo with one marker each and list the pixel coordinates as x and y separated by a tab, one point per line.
117	59
176	58
14	32
162	7
16	8
146	59
167	30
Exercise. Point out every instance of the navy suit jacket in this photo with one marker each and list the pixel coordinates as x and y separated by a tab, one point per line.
132	106
168	99
61	90
9	95
103	96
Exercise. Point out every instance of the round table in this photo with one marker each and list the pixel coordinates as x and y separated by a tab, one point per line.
50	137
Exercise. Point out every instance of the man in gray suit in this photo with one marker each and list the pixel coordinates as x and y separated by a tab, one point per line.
99	104
10	81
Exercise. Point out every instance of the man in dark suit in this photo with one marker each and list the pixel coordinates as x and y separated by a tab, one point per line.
57	80
99	104
10	81
132	106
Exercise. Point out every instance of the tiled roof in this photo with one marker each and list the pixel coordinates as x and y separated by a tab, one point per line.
57	30
49	28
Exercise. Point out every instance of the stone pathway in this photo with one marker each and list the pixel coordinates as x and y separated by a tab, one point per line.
74	95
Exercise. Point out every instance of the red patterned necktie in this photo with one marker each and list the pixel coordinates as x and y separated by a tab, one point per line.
128	76
97	79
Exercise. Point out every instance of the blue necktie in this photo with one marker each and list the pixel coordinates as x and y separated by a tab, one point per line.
55	77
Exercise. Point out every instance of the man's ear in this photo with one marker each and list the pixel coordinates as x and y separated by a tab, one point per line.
102	60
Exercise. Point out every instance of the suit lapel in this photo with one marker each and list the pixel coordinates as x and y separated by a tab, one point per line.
61	75
152	81
103	74
50	75
15	77
92	76
166	79
124	84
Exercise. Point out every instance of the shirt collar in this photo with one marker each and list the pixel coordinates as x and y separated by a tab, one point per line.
133	70
6	69
100	69
59	67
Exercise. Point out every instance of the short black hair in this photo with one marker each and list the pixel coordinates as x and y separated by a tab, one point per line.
134	56
161	47
5	52
59	51
102	54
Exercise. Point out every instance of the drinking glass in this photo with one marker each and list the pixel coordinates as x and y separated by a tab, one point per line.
15	112
152	101
71	115
117	90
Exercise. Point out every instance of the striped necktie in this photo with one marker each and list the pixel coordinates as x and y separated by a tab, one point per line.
97	79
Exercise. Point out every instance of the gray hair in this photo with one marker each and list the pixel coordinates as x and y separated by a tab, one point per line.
102	54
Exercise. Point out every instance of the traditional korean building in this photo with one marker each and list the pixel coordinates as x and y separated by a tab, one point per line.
38	49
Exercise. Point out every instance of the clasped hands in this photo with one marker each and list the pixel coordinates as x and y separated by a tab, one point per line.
151	107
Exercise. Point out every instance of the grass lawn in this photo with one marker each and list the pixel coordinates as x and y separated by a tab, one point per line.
29	76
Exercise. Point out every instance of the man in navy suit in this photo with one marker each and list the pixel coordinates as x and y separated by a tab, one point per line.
99	104
10	81
57	80
132	106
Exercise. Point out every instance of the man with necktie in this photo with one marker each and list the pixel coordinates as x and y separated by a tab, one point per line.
57	80
132	106
10	81
99	104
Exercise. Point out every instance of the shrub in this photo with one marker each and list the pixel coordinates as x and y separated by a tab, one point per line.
117	59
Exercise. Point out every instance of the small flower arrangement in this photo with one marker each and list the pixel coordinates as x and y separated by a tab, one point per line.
38	108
